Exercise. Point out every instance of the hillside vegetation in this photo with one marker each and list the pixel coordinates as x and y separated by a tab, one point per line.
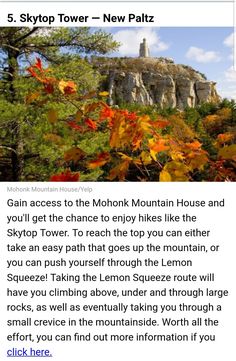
97	142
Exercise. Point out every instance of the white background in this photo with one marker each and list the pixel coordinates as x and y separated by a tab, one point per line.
220	220
166	14
112	1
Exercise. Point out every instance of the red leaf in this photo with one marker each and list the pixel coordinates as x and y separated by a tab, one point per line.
91	124
38	64
65	177
32	71
49	88
35	75
74	125
132	116
106	113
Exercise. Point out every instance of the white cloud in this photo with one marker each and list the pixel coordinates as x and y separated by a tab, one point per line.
202	56
227	84
229	41
130	40
226	91
230	75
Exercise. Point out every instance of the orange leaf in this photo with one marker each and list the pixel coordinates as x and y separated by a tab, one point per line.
156	146
88	108
91	124
32	71
119	171
193	145
101	160
225	137
67	176
106	113
137	140
160	124
34	74
67	87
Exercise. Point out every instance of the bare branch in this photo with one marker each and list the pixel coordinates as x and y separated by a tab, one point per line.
11	47
26	35
8	148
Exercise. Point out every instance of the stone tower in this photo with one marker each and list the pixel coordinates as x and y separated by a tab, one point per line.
143	50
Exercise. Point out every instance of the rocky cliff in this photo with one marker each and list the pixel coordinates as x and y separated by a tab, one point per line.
155	81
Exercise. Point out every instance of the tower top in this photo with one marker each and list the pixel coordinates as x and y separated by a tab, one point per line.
144	50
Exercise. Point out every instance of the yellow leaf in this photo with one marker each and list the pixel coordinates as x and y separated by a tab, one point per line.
177	170
165	176
31	97
118	138
143	159
124	156
176	155
145	123
103	94
228	152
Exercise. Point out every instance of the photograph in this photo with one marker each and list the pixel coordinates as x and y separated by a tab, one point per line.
129	104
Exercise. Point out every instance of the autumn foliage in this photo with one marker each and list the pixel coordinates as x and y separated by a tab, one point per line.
139	147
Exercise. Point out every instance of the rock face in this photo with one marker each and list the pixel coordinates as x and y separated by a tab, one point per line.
157	81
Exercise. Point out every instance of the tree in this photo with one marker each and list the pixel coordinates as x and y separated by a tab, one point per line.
59	47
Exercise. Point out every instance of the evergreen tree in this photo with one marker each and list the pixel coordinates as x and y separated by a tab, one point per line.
61	49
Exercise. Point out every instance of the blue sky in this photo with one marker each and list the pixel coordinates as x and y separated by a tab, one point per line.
208	50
